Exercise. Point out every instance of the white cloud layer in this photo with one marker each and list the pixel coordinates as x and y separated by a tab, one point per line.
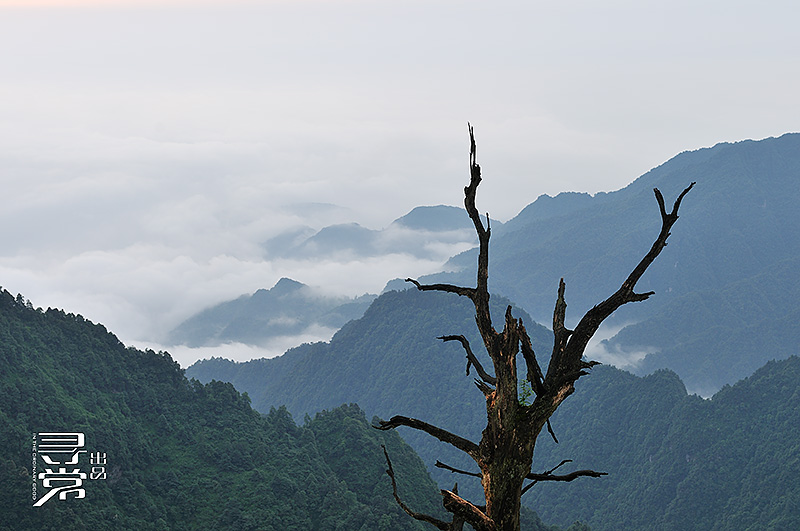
147	151
185	356
602	350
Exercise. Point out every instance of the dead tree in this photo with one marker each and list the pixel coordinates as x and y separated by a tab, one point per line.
504	454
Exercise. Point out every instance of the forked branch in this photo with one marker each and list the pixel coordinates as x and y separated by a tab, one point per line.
471	359
570	345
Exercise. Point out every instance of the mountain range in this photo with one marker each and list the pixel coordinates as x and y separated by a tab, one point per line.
177	454
289	308
726	285
675	460
183	454
726	292
428	232
389	361
293	309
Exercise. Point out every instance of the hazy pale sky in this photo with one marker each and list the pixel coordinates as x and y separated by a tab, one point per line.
147	148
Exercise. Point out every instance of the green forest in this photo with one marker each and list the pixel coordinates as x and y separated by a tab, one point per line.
681	461
187	455
181	454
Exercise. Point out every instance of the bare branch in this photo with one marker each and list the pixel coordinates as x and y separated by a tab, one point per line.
471	359
449	288
535	376
471	189
550	430
562	463
667	221
568	351
481	300
439	464
567	477
444	526
461	443
549	476
660	201
675	207
485	389
468	511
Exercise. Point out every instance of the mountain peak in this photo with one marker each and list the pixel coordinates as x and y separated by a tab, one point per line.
286	285
434	218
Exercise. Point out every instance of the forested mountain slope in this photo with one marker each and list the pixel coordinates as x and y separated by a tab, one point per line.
677	461
180	454
672	458
389	361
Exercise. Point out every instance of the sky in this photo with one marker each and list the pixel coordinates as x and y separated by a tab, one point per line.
149	148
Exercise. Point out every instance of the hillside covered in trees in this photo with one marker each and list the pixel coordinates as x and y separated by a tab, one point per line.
672	458
388	361
186	455
181	454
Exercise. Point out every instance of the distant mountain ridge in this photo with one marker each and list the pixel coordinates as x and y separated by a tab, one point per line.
287	309
422	232
739	228
441	218
290	308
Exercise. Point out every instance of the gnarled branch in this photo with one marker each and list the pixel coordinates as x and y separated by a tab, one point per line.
448	288
535	376
461	443
566	477
439	464
444	526
471	359
468	511
482	316
549	476
570	345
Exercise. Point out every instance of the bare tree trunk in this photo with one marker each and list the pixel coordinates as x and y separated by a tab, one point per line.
504	455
